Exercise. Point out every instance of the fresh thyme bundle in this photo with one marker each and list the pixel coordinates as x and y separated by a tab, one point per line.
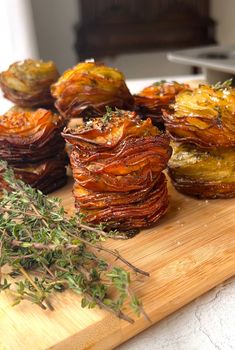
49	251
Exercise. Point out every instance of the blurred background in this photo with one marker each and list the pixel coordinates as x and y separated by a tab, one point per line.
132	35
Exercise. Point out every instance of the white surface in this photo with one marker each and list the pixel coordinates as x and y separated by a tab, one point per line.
192	57
207	323
4	103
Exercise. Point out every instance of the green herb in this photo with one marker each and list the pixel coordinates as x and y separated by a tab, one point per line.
157	83
220	86
52	251
108	115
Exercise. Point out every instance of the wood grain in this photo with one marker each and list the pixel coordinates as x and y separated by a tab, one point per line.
190	251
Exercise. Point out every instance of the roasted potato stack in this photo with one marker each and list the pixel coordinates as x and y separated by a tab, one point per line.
31	142
204	116
206	174
203	160
30	135
88	88
152	99
117	163
27	83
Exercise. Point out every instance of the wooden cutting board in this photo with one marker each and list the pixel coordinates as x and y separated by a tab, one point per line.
190	251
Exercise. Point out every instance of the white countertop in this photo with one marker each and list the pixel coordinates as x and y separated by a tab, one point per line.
207	323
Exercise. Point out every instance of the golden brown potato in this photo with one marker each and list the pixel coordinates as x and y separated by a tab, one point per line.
135	215
88	88
117	164
27	83
28	135
132	165
108	131
31	142
89	199
152	99
206	174
204	116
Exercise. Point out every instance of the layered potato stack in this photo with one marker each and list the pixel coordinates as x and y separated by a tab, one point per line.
152	99
31	142
117	163
202	129
27	83
88	88
30	137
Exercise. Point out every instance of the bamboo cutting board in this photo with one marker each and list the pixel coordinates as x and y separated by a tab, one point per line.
191	250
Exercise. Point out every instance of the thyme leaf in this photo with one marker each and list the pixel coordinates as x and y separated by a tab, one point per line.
220	86
51	251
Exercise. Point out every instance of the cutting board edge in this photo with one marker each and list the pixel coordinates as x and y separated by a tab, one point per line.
119	334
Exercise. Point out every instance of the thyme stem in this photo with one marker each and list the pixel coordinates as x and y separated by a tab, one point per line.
52	251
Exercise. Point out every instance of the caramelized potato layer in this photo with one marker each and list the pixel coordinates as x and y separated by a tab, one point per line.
204	116
28	135
207	174
88	88
152	99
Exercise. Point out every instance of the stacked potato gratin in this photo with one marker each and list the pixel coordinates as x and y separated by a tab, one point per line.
202	128
154	98
31	142
86	89
117	164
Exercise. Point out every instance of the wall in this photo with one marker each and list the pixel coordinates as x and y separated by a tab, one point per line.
55	20
147	65
54	24
223	12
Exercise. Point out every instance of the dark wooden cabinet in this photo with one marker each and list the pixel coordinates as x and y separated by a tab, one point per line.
114	27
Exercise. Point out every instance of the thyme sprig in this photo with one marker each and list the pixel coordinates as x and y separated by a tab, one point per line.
110	114
225	85
43	250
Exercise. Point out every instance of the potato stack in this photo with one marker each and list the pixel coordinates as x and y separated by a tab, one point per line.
117	163
154	98
31	142
27	83
202	128
86	89
30	137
